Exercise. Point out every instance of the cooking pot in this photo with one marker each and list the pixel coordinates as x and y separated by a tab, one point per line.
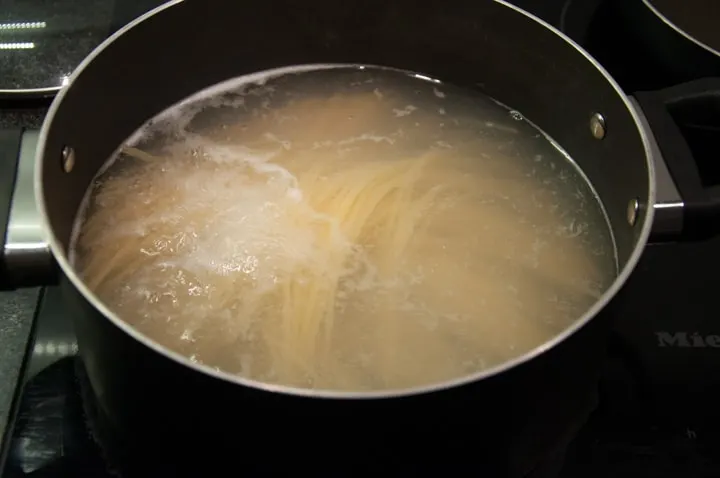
668	42
502	421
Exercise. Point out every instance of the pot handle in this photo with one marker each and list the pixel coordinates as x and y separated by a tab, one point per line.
25	258
684	122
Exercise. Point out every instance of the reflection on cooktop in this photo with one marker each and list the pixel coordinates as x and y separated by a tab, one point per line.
42	41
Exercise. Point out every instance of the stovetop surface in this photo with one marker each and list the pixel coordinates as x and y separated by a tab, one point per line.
657	414
42	41
630	434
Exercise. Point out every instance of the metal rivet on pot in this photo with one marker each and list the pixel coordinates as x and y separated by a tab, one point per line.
632	211
68	159
597	126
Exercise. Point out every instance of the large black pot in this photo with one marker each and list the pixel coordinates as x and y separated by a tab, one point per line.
504	421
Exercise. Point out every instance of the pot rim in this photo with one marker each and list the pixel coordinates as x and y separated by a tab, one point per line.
670	24
62	259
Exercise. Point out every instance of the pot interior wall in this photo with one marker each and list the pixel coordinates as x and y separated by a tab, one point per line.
488	45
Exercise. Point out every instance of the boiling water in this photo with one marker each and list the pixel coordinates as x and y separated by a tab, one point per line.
344	228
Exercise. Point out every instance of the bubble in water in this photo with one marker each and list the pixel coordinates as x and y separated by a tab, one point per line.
516	115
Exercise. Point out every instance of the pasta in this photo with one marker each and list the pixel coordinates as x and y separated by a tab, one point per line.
335	241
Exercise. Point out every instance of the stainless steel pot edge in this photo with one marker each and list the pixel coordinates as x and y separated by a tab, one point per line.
30	92
67	269
680	31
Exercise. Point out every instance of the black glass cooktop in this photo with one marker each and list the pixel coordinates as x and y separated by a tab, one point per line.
42	41
656	413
